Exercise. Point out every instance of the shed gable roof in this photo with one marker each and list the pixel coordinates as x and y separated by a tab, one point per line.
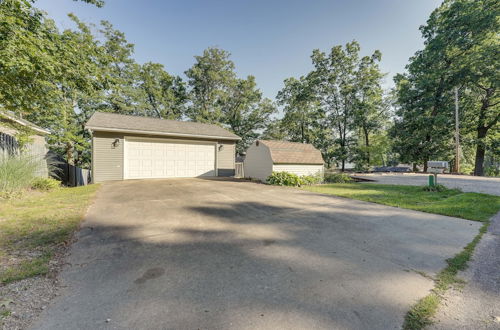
105	121
284	152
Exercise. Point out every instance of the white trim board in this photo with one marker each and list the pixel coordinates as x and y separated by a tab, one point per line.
120	130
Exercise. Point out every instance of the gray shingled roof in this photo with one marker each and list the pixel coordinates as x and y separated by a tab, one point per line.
105	121
284	152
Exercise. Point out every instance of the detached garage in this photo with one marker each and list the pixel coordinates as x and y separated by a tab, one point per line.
133	147
264	157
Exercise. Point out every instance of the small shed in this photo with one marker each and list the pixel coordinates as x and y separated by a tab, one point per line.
264	157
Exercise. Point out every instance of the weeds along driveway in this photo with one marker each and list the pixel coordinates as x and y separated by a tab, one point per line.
221	254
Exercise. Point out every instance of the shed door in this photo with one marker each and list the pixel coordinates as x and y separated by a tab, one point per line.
157	158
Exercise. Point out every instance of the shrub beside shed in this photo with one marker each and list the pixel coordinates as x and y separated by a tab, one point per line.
265	156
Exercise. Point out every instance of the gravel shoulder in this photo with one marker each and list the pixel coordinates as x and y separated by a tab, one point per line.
26	299
477	304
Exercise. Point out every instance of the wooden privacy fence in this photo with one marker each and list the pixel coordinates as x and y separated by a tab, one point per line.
72	176
8	145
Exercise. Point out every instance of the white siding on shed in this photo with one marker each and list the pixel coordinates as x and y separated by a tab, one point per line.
299	169
258	163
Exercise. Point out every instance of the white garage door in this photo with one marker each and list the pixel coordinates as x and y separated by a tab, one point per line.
168	159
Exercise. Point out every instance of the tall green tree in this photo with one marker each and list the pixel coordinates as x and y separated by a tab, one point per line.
122	71
163	95
209	80
461	51
216	95
28	57
335	105
301	112
370	112
347	88
245	111
79	81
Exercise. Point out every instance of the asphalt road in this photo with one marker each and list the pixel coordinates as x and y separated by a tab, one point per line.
486	185
216	254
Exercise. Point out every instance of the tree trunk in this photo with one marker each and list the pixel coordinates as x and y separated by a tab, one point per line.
69	153
343	165
482	130
480	151
425	164
367	144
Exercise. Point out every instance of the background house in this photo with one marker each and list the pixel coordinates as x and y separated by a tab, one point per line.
264	157
11	126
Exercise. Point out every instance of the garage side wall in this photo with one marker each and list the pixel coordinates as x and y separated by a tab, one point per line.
299	169
107	157
226	155
258	164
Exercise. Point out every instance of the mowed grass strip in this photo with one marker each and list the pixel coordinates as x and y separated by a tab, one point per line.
451	202
33	226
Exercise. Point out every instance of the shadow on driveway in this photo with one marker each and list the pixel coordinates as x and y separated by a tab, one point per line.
201	254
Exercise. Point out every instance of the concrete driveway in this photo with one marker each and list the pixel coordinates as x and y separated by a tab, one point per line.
479	184
220	254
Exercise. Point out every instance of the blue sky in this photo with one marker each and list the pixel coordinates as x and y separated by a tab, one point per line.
271	40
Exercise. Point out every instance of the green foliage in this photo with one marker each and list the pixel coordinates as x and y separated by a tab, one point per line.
208	80
493	171
293	180
284	179
337	178
164	95
337	107
308	180
45	184
58	79
302	116
461	38
16	173
217	96
436	188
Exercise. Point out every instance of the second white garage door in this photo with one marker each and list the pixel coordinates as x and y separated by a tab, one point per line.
156	158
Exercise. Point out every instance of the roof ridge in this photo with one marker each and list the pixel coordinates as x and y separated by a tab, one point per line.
153	118
126	122
287	142
12	116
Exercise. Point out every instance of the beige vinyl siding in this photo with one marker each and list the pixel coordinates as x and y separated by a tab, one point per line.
225	158
258	163
107	160
299	169
38	150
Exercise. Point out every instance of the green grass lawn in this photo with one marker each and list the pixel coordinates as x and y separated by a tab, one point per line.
34	225
451	202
